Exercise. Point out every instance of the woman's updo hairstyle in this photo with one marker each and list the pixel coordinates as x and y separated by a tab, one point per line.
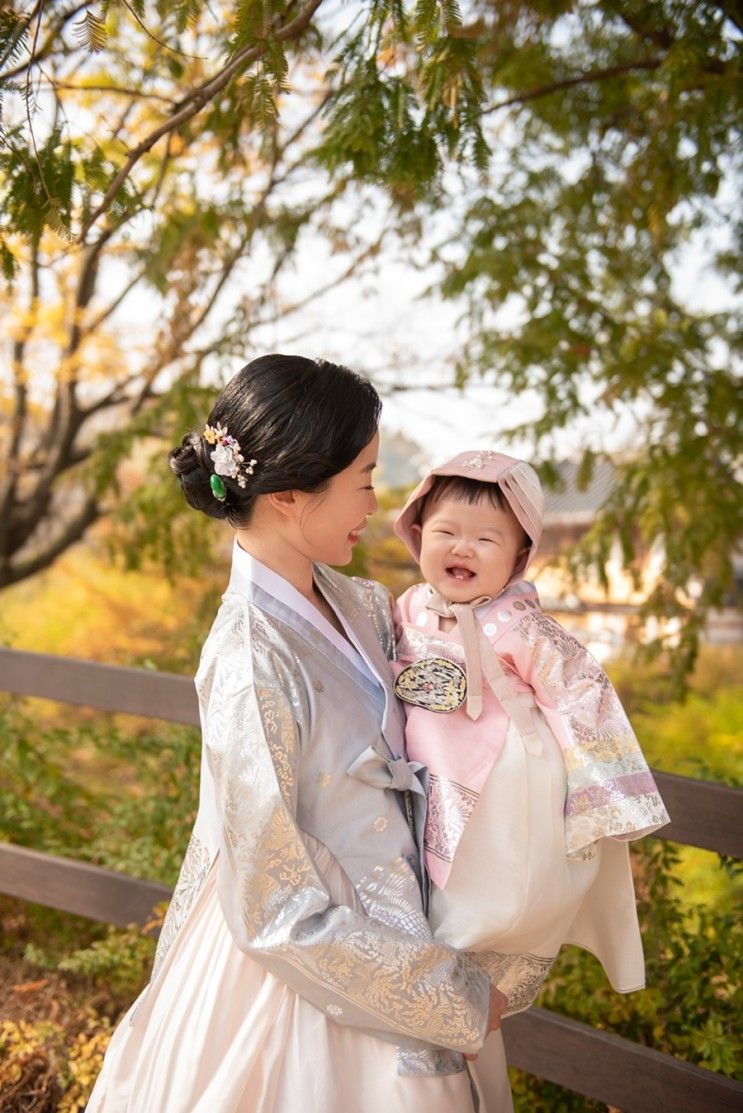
301	420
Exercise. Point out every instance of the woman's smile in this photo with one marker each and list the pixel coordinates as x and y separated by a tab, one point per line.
356	533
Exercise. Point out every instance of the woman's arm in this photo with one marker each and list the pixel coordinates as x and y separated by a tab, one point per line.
357	970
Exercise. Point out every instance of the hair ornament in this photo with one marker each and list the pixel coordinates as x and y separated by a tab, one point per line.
480	459
227	458
218	488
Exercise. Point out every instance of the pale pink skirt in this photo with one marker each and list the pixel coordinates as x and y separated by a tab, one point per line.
215	1033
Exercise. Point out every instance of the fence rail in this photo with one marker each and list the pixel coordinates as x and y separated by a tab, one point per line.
595	1063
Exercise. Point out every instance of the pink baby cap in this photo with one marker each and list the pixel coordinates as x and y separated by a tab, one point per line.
517	480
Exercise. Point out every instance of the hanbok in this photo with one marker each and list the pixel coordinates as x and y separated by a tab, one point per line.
531	806
296	971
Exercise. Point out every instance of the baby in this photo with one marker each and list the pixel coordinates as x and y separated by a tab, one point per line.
536	780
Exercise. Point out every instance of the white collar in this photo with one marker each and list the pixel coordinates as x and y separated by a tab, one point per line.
279	588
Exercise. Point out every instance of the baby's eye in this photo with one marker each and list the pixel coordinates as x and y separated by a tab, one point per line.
487	540
444	532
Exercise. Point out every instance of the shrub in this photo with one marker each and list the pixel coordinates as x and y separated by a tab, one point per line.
125	797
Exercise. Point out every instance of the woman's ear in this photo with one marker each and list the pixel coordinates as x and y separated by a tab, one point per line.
285	502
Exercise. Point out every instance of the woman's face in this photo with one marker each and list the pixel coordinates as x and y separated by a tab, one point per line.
330	521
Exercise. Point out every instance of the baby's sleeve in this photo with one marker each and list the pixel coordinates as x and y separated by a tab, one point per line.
611	791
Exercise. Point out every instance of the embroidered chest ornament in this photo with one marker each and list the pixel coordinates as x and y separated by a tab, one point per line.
434	683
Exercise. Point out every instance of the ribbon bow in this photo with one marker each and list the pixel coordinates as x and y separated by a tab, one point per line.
463	614
480	659
396	773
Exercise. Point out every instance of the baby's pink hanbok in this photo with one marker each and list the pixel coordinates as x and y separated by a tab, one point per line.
536	781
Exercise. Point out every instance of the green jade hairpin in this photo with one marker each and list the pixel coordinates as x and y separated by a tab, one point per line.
228	460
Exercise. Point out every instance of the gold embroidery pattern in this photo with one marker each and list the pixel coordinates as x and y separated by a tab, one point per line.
450	806
610	789
431	1061
415	644
386	897
391	895
276	904
392	980
519	976
194	870
377	603
434	683
279	726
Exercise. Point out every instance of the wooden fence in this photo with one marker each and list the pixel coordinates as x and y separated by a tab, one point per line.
597	1064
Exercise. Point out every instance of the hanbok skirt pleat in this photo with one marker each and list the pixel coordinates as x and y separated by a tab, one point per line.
514	897
215	1033
512	893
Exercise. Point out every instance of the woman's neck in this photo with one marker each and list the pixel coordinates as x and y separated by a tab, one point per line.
281	557
293	566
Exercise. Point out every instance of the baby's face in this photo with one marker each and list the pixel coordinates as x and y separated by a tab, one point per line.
467	549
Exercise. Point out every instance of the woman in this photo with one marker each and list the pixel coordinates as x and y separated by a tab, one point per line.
296	969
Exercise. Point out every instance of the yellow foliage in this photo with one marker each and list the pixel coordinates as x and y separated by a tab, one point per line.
31	1059
87	606
84	1063
35	1056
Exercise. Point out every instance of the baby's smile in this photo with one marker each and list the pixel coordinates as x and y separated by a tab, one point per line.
459	572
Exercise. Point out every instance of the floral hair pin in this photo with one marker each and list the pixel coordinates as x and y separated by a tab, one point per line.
228	460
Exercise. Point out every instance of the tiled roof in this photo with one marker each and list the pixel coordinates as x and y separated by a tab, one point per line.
567	503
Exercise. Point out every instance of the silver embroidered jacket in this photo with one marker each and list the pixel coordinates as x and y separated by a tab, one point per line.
302	751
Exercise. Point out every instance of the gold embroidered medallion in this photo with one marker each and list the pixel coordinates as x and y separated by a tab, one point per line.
434	684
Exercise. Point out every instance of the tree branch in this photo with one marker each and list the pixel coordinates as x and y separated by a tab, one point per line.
105	313
10	486
194	104
48	45
368	253
118	90
115	397
71	533
154	38
180	334
570	82
66	417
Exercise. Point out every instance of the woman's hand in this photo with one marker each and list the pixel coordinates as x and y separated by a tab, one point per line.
498	1005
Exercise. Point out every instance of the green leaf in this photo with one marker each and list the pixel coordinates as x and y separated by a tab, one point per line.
7	263
91	32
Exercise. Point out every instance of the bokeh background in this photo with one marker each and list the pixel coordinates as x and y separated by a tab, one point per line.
520	218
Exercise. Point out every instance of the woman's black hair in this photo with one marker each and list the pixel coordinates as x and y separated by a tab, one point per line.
302	420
